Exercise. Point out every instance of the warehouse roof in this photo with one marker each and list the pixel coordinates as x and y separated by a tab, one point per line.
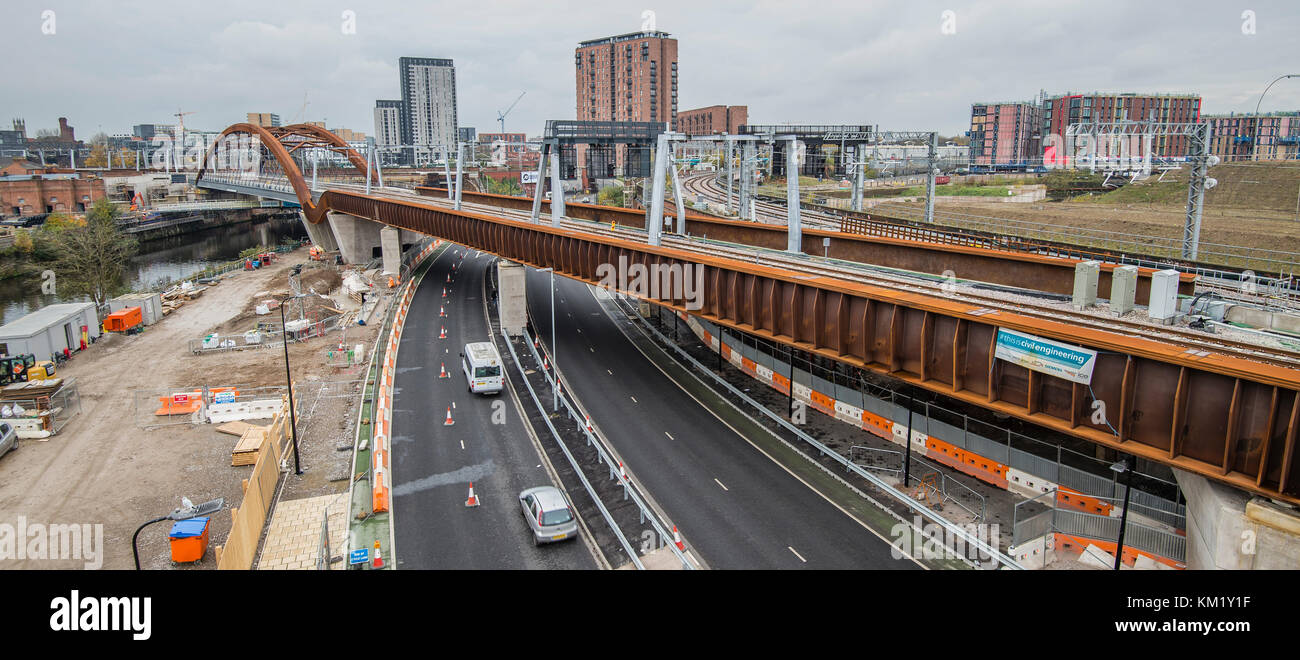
42	318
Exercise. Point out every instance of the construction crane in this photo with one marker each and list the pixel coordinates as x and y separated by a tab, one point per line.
501	116
180	117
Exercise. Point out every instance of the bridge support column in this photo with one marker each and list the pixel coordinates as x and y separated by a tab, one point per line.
512	297
321	235
390	244
1231	529
794	231
357	237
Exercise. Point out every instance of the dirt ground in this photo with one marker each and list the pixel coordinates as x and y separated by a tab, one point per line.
104	468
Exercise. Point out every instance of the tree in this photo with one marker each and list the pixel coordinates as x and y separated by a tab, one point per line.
610	196
90	259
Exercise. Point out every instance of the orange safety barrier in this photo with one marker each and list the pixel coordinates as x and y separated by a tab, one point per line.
1075	545
822	403
781	383
181	403
877	425
1073	499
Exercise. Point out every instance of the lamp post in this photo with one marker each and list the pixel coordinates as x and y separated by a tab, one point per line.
907	445
1255	149
189	511
288	382
1123	467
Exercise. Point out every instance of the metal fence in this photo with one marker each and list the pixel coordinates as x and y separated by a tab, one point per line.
60	407
1028	526
215	343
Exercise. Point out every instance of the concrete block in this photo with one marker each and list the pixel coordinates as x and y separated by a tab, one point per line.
357	237
1085	284
512	297
1095	557
1123	289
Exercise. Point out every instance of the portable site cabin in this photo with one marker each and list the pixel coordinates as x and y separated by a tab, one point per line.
150	305
50	329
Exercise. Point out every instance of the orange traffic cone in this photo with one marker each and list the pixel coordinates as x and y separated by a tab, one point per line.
449	421
442	370
378	561
677	538
444	292
472	500
546	364
622	471
442	311
448	278
443	333
589	428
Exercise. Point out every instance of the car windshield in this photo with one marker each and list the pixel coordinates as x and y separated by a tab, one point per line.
557	517
487	372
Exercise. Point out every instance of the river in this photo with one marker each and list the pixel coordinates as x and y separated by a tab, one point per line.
162	259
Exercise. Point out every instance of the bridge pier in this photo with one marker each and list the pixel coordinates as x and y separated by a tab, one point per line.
390	243
321	235
357	237
512	297
1230	529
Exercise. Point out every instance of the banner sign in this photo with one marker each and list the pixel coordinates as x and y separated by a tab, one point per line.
1046	356
527	177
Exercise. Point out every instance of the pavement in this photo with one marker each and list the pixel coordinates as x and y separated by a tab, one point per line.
489	444
293	536
737	507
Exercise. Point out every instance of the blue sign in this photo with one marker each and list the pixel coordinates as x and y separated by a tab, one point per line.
224	397
359	556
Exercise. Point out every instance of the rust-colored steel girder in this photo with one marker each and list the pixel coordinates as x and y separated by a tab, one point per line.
1009	268
1225	417
281	142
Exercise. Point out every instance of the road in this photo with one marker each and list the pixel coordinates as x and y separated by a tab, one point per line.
433	464
738	508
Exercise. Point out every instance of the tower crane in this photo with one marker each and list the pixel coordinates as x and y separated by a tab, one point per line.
501	116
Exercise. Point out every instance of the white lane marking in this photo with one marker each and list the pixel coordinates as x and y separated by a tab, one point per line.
633	398
453	405
462	444
579	330
693	560
720	484
609	372
591	349
670	436
796	553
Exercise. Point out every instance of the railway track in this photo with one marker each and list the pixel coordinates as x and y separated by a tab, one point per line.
1193	340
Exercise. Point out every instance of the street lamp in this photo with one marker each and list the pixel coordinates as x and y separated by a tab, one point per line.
1255	152
288	378
184	513
1123	467
555	387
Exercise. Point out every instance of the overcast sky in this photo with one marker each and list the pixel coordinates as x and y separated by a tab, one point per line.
110	65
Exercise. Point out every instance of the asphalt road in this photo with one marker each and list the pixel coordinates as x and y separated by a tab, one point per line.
433	464
737	507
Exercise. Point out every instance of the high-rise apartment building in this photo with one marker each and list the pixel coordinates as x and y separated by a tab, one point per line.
428	111
630	77
1061	111
264	119
1004	133
1272	136
388	122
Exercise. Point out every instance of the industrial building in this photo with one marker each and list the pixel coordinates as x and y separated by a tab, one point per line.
713	119
51	329
428	112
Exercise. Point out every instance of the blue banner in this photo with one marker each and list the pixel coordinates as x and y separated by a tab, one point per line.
1072	363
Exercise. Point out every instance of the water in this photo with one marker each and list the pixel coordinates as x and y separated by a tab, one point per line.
162	259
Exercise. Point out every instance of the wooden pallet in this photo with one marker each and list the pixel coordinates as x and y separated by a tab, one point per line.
237	428
248	447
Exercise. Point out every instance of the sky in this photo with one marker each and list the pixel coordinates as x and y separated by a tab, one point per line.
912	65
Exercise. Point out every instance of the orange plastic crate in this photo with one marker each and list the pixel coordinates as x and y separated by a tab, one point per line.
191	548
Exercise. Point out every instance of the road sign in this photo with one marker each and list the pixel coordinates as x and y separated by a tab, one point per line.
224	397
361	556
527	177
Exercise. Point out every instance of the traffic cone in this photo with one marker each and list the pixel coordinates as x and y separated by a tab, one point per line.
622	471
378	561
442	370
442	311
444	292
677	538
472	500
449	420
448	278
546	364
589	428
443	333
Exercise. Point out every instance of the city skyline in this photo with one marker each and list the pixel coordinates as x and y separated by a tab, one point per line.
915	68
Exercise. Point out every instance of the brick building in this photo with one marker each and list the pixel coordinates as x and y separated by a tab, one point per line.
713	119
1273	136
1061	111
1004	133
630	77
27	189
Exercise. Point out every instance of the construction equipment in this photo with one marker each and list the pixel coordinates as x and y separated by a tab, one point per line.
22	368
128	320
501	116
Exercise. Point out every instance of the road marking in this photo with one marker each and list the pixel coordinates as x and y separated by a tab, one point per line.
609	372
591	349
453	405
462	444
633	398
796	553
720	484
670	436
579	330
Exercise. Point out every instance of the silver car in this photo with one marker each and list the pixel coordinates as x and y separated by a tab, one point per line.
8	439
548	514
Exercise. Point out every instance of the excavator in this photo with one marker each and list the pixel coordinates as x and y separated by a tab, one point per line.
22	368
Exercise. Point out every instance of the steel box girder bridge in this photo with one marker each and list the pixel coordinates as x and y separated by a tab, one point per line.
1223	416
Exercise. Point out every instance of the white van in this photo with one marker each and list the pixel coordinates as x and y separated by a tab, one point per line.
482	366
